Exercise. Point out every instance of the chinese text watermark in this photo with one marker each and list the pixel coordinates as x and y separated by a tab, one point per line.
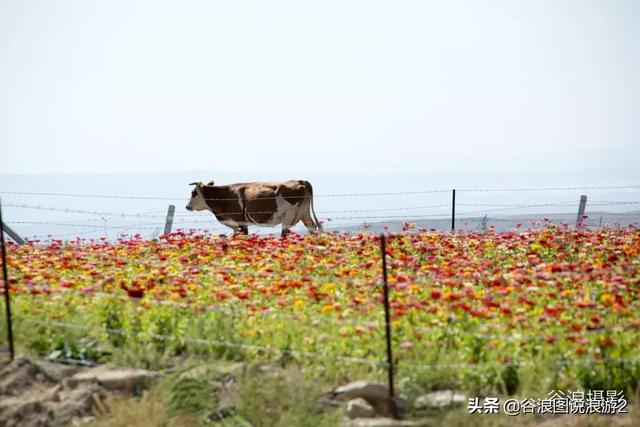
606	402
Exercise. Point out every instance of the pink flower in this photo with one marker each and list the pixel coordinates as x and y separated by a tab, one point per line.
405	345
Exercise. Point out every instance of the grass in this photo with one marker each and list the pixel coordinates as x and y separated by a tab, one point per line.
286	397
274	397
518	313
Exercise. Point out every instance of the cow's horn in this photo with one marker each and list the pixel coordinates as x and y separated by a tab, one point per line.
194	183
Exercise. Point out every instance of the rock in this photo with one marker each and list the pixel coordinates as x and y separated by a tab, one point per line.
359	408
25	414
20	375
125	380
376	395
59	371
53	394
77	402
370	391
383	408
328	403
45	394
82	421
382	422
88	375
439	399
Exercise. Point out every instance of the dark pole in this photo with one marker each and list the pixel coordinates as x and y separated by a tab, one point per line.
453	211
387	321
5	278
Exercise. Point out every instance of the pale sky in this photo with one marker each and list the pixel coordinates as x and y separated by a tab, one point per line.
319	87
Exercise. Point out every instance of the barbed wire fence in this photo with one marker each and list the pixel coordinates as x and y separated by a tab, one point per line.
465	215
317	356
105	222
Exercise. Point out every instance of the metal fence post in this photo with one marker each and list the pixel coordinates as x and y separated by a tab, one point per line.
5	279
169	222
387	321
453	211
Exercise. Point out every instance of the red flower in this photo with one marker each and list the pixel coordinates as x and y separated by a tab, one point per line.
242	294
135	293
606	342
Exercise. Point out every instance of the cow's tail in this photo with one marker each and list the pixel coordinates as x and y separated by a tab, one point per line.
315	218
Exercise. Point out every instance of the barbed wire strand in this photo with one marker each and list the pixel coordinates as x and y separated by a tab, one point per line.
399	193
487	190
560	362
112	196
326	356
435	216
158	214
222	343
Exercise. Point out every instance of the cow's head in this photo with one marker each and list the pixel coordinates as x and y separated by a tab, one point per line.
197	201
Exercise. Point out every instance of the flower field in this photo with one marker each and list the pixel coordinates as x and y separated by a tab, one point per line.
470	309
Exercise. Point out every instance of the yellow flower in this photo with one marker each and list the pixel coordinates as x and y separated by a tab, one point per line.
607	298
327	307
329	287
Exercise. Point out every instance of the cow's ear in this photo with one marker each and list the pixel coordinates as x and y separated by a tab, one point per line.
210	183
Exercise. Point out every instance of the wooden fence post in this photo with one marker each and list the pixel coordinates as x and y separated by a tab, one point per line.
169	223
387	321
581	209
15	236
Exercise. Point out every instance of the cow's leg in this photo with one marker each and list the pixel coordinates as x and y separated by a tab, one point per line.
244	229
236	229
285	231
289	220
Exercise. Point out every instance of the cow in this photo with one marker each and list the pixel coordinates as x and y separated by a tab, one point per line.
257	203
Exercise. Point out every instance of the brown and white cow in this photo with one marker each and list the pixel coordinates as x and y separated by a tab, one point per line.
257	203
